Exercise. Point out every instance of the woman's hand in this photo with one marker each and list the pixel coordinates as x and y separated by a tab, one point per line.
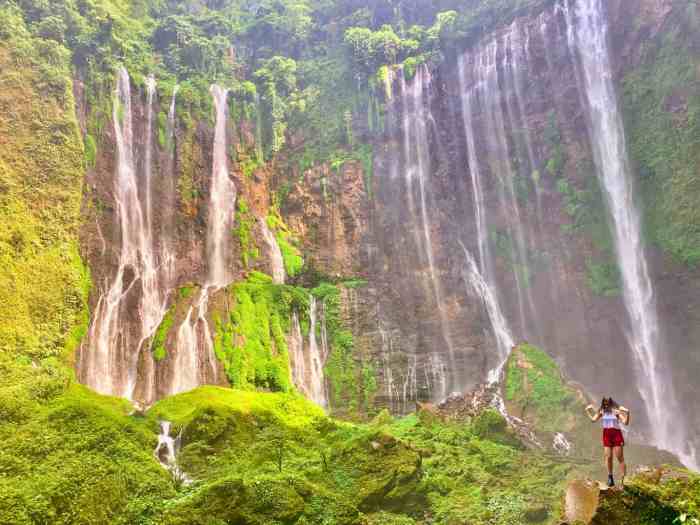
591	413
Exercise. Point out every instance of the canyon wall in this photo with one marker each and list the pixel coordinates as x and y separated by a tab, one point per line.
489	154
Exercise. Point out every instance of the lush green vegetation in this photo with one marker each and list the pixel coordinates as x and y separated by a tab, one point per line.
534	385
43	283
293	261
158	342
275	458
245	222
351	377
251	339
662	115
70	455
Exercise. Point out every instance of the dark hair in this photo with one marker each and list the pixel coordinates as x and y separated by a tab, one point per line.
610	402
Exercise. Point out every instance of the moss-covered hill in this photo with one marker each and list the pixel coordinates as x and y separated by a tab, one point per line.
71	456
75	457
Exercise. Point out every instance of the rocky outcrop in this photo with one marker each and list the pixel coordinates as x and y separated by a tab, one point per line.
660	495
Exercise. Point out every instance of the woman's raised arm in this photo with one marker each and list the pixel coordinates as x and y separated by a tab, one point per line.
624	415
592	414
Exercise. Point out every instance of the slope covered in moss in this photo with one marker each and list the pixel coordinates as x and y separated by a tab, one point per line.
43	283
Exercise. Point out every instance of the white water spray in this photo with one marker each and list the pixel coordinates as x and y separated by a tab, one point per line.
110	363
166	453
415	119
504	339
276	260
316	357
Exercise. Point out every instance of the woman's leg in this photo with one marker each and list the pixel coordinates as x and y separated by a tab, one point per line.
620	455
609	459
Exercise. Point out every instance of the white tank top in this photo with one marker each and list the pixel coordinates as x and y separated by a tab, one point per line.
610	420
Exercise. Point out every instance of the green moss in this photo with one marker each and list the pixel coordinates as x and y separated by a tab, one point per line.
243	231
535	388
70	453
604	278
90	151
661	106
186	291
251	340
42	164
163	135
158	343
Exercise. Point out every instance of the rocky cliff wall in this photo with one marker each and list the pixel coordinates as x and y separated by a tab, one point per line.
402	225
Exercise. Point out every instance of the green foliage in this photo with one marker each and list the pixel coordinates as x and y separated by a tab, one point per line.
293	261
42	163
70	455
552	137
185	291
351	377
158	343
661	105
372	49
90	151
588	213
534	384
243	231
457	465
251	339
603	278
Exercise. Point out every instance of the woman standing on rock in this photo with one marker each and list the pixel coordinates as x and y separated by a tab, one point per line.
612	415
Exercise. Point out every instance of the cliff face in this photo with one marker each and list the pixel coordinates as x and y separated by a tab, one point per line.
488	156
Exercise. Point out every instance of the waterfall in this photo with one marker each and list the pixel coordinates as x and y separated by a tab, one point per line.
296	353
588	40
166	452
307	366
316	356
276	260
481	279
415	119
110	361
195	360
222	199
168	245
504	339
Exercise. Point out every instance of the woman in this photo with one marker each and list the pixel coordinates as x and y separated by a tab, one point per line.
612	415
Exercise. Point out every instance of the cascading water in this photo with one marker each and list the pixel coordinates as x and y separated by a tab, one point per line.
166	453
588	41
504	339
415	119
316	357
296	353
168	249
307	365
481	279
222	200
276	260
109	362
195	361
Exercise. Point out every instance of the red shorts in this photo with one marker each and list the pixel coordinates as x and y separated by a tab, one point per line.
612	437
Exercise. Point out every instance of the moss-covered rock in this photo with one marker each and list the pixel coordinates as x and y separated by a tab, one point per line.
661	496
536	392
